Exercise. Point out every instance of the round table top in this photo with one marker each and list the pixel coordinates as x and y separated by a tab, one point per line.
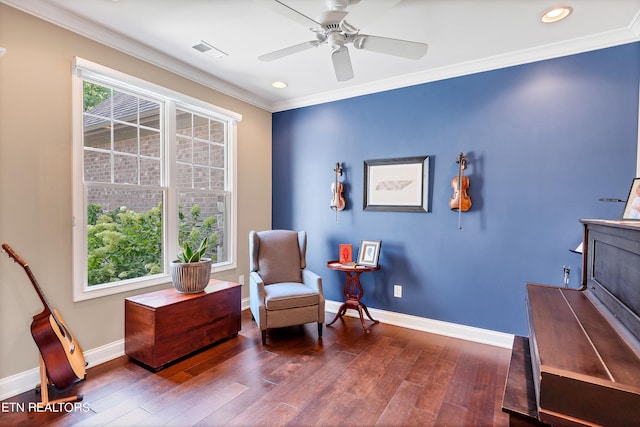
348	267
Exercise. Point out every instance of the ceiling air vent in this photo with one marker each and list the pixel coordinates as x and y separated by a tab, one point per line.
209	50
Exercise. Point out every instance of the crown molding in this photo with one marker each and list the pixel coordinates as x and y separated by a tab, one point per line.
81	26
539	53
635	25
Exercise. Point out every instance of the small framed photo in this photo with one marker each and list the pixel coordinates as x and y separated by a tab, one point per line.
369	252
346	253
632	207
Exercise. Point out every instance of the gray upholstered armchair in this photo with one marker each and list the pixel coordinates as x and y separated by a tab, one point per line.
282	291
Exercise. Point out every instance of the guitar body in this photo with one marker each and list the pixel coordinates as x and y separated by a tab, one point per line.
61	353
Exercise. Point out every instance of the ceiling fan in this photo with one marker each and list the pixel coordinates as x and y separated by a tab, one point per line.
332	29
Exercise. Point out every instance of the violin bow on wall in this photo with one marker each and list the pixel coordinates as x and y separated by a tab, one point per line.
460	201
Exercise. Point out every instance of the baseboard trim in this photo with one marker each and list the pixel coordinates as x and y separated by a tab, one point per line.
27	380
453	330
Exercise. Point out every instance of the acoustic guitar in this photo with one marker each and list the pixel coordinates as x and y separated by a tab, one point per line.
60	352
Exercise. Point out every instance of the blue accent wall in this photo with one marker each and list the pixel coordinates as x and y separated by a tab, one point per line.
543	141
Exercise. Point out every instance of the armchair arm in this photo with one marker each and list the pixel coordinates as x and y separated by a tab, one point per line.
312	280
256	299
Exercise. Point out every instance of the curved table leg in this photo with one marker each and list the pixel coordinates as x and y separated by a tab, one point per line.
364	325
366	310
341	311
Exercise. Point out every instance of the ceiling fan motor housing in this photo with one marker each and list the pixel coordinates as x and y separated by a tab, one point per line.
336	40
340	4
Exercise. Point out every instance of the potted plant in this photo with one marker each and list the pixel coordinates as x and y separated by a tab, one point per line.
191	272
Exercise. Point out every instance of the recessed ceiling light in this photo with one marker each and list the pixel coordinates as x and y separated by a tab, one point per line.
279	85
556	14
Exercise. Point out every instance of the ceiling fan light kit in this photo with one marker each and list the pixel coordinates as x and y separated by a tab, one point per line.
332	29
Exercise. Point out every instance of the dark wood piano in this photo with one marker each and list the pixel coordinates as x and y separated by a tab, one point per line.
580	364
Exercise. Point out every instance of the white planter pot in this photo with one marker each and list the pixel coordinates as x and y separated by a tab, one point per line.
192	277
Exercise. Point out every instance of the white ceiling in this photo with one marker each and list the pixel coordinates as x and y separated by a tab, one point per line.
464	36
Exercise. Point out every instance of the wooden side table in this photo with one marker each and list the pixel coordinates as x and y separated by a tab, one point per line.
353	291
162	326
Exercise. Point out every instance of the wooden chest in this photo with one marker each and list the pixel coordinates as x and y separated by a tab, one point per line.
163	326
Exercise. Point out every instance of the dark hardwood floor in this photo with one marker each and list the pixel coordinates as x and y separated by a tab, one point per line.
390	377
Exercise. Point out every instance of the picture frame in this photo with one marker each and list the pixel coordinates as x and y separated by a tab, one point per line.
346	253
632	206
369	252
397	184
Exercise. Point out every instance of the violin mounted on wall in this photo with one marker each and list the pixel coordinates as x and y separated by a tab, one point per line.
460	200
338	202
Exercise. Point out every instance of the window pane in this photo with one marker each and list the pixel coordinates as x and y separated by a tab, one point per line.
124	234
217	156
97	132
125	138
150	171
150	143
184	149
217	132
202	215
183	123
94	95
150	114
217	179
125	107
97	166
200	153
185	175
125	169
201	127
200	177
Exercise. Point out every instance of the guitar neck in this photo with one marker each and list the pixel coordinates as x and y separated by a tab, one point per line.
15	257
43	298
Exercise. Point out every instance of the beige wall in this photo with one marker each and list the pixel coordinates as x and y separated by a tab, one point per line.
35	180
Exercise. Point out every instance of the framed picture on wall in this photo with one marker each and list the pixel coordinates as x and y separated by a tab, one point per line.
369	252
398	184
632	207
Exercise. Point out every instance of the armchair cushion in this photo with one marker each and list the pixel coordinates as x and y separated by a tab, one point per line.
283	296
279	259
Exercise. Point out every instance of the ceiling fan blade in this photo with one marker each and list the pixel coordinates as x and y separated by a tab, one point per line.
342	64
289	12
289	50
395	47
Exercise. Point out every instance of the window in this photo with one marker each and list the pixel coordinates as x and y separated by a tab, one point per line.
151	168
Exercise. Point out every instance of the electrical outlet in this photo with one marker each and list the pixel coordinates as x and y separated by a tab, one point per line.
397	291
241	279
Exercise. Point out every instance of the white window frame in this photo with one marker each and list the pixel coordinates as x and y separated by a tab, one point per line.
86	69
